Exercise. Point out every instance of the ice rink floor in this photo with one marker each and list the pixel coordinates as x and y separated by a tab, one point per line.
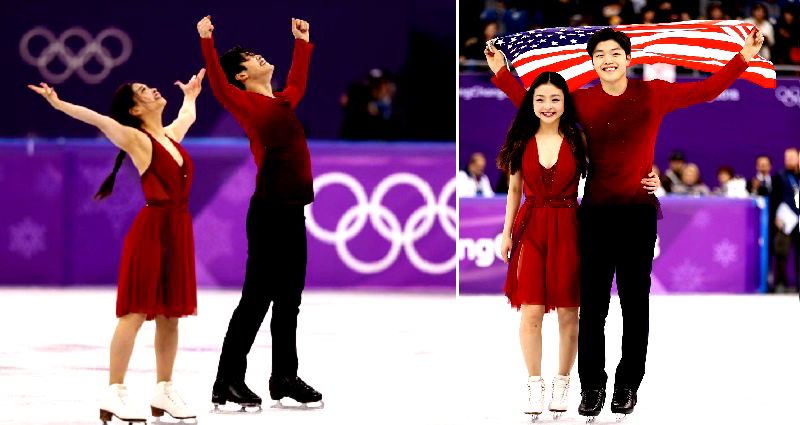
711	360
406	359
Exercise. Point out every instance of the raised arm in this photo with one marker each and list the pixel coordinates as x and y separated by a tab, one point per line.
301	57
686	94
227	94
512	206
503	78
122	136
187	114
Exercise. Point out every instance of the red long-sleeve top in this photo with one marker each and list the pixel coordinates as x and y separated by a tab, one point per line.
277	139
621	130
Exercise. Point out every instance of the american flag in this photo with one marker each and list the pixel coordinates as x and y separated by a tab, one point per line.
703	45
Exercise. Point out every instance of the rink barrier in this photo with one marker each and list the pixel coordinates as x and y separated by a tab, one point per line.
384	215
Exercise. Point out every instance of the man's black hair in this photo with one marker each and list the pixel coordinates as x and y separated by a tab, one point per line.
606	34
232	61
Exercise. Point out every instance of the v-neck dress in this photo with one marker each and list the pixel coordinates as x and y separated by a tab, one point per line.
545	265
156	274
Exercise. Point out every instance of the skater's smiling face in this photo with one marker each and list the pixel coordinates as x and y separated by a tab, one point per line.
610	61
548	103
242	65
255	67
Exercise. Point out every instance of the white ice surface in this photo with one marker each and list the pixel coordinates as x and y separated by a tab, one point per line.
371	355
711	360
406	359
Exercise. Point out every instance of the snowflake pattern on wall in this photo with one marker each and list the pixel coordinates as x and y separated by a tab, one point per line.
124	201
725	253
701	219
49	182
27	238
687	275
215	239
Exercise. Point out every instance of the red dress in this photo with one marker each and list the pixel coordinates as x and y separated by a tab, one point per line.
156	274
545	266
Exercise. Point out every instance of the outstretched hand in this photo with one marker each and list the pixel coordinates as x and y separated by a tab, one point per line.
753	44
205	27
300	29
193	87
494	58
47	92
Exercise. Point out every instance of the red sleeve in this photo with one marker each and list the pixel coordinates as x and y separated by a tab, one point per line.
298	73
227	94
510	86
687	94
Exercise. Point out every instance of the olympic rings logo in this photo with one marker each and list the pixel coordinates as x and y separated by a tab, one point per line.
75	61
789	96
386	223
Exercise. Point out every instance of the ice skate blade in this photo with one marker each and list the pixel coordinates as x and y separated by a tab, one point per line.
302	406
557	414
187	421
591	419
243	409
534	417
107	417
620	417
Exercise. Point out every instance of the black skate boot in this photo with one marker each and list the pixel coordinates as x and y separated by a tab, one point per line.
236	392
592	402
623	402
294	388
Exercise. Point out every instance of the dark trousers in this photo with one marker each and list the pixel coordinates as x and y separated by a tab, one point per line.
276	271
784	244
613	239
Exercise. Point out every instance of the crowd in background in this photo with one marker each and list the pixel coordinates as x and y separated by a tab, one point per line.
778	20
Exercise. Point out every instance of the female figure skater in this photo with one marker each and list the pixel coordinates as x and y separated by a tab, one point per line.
545	156
156	277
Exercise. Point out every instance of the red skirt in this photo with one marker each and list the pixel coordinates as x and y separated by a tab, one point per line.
156	274
545	264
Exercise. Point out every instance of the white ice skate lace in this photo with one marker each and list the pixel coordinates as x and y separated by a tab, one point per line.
540	393
122	395
560	387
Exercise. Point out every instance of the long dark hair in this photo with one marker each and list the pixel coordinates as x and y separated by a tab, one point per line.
121	106
526	124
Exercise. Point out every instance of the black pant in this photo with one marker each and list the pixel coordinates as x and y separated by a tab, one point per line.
276	271
783	246
613	239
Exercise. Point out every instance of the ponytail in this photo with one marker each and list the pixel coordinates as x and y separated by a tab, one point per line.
121	105
108	184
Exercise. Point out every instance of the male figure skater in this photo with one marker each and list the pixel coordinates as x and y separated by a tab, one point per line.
621	118
276	233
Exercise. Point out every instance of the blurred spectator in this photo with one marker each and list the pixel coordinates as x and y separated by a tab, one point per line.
473	47
677	161
761	183
787	192
472	181
369	109
649	16
515	19
758	17
787	37
715	12
730	185
495	12
691	183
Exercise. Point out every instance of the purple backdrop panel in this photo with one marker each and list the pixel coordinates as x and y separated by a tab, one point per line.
384	214
743	122
704	245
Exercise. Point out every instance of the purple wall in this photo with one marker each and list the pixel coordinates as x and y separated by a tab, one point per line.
384	215
406	37
705	245
745	121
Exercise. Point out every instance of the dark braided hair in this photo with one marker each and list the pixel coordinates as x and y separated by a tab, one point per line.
526	123
121	106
